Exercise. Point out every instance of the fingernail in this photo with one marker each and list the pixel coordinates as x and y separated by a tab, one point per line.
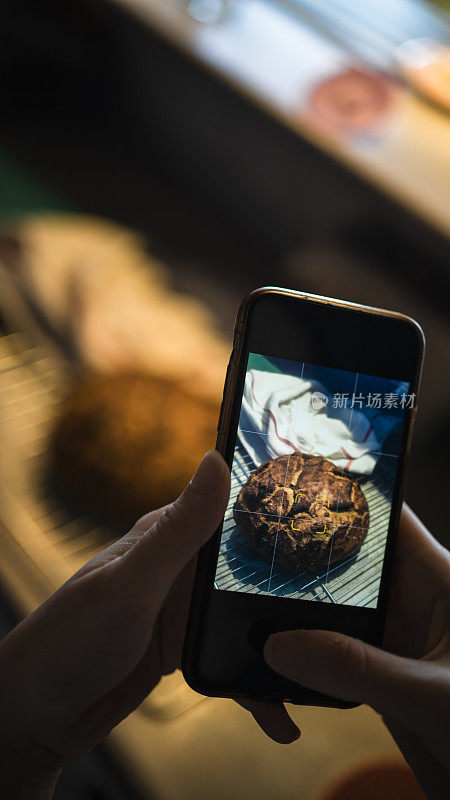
210	472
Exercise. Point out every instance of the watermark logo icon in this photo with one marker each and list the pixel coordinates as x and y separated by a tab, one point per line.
318	400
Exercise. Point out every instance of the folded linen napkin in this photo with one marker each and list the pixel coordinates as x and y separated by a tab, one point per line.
280	415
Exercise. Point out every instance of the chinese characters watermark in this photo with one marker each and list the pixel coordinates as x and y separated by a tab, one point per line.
374	400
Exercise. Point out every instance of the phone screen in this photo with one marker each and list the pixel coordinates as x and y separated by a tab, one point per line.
312	480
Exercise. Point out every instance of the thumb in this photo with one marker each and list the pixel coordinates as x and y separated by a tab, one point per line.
349	669
184	526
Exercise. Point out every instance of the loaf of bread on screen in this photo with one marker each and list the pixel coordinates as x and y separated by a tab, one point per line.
303	512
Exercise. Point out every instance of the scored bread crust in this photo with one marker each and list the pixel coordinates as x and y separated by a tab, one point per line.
315	513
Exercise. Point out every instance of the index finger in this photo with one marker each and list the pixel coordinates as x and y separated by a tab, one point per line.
273	719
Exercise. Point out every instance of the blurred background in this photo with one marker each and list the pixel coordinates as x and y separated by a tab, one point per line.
158	160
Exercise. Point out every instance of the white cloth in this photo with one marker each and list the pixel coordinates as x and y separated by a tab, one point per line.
279	416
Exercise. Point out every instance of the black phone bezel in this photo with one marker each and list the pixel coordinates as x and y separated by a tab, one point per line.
399	355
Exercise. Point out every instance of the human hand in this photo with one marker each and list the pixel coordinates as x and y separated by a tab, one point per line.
409	681
89	655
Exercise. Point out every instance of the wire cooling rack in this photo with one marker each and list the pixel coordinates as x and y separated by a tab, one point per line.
49	540
57	539
354	581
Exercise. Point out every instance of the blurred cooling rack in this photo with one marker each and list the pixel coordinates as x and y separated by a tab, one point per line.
354	581
42	541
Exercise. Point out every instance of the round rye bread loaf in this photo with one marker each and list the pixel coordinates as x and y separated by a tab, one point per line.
314	513
129	442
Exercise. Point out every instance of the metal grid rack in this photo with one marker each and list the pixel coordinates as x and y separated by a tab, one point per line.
43	541
354	581
59	541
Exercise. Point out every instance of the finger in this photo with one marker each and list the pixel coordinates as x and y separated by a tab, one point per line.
273	719
119	547
163	551
173	618
347	668
415	540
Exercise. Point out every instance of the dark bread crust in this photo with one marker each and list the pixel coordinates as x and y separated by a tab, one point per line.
308	506
129	442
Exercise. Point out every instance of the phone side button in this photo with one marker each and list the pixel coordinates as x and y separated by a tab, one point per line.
227	375
219	424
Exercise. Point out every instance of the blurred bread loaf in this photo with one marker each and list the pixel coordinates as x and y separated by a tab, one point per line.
127	443
133	427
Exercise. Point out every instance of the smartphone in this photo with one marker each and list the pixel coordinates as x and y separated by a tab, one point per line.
319	401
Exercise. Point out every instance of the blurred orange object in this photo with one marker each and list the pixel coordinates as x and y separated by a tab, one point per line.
425	63
387	779
353	100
